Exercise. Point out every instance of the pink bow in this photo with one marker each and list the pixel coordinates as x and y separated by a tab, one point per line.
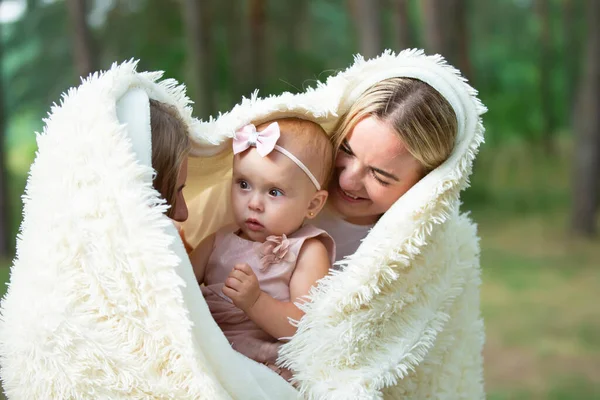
263	141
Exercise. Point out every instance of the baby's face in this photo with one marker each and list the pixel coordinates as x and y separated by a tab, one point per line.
270	195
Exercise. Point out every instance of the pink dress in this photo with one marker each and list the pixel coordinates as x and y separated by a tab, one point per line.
273	262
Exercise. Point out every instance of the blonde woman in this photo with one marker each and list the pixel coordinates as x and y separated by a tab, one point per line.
400	315
399	130
103	302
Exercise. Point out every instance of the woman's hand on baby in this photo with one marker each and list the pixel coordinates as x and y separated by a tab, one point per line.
241	286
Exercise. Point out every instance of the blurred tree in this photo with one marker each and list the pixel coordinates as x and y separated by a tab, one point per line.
238	56
461	25
82	39
568	22
572	52
299	39
545	65
367	19
402	29
438	39
151	31
258	53
40	48
4	204
196	14
586	194
446	33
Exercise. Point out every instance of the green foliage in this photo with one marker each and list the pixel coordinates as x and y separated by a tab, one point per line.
150	30
503	46
537	285
37	51
520	178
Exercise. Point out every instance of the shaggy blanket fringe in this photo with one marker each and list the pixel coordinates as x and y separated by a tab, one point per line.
102	302
401	319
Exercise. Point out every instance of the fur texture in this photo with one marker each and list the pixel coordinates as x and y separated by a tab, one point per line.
402	319
102	301
102	297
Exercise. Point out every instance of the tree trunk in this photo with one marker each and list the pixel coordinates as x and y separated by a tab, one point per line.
367	18
587	127
5	241
237	48
462	39
402	28
446	31
545	63
435	23
82	38
299	39
570	56
199	53
258	22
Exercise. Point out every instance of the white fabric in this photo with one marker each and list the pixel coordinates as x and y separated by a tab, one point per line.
401	319
133	110
300	165
102	302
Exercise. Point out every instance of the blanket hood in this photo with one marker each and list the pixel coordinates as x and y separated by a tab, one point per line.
378	328
102	301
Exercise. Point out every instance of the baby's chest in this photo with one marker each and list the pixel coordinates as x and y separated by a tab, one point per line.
274	279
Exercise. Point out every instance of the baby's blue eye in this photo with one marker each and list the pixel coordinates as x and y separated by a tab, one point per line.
275	192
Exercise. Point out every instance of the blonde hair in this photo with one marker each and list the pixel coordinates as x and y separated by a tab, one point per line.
170	146
423	119
309	143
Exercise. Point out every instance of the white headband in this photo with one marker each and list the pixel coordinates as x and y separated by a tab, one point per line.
265	142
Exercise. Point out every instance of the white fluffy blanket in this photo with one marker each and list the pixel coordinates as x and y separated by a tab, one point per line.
402	320
102	301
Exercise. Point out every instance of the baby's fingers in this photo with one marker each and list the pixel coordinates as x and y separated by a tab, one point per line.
233	283
229	292
238	275
244	268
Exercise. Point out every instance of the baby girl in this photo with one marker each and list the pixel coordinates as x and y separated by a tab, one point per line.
254	272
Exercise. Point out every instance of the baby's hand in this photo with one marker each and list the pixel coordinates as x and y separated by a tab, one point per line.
241	286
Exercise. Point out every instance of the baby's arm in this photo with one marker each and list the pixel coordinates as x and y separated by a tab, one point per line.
199	257
271	314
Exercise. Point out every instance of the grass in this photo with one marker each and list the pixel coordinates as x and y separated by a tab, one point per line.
539	303
540	286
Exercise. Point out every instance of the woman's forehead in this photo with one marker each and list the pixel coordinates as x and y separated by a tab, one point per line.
376	143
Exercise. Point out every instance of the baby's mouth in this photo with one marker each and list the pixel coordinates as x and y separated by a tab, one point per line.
254	225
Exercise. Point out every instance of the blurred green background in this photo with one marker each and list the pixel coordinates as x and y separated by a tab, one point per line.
536	64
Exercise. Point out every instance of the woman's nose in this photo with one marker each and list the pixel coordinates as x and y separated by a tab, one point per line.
351	177
181	211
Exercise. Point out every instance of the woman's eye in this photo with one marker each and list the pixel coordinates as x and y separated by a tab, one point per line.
344	147
378	179
275	192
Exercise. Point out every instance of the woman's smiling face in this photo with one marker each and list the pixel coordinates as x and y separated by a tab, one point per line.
373	169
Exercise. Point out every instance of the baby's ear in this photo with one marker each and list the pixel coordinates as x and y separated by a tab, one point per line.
316	204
